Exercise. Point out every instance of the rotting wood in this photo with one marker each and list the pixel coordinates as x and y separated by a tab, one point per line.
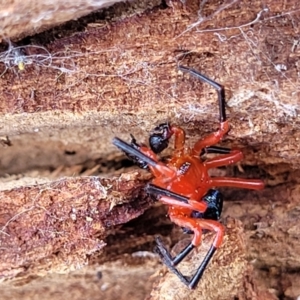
122	78
21	18
55	226
112	80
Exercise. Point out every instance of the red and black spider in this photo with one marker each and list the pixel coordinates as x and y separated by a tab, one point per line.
183	183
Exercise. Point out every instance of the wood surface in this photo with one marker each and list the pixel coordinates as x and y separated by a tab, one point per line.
72	203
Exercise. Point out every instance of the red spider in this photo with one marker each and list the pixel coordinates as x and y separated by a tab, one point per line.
185	185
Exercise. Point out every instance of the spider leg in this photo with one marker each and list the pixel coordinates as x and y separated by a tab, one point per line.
165	255
253	184
220	89
232	157
173	199
213	138
179	201
143	155
196	226
215	150
129	149
169	261
179	138
158	191
196	278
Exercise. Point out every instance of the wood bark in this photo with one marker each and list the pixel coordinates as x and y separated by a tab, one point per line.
64	99
45	226
20	19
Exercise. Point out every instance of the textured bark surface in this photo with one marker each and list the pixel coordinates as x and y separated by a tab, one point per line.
67	92
56	226
23	18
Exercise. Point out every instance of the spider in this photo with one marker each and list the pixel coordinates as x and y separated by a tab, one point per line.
184	185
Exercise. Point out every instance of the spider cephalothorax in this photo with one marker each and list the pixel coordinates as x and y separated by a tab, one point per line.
184	184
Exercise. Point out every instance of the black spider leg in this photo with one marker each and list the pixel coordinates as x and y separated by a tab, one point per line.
160	248
158	191
171	262
215	150
165	255
220	89
196	278
129	149
167	259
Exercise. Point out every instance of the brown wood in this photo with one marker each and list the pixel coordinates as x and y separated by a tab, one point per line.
59	115
20	19
45	226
